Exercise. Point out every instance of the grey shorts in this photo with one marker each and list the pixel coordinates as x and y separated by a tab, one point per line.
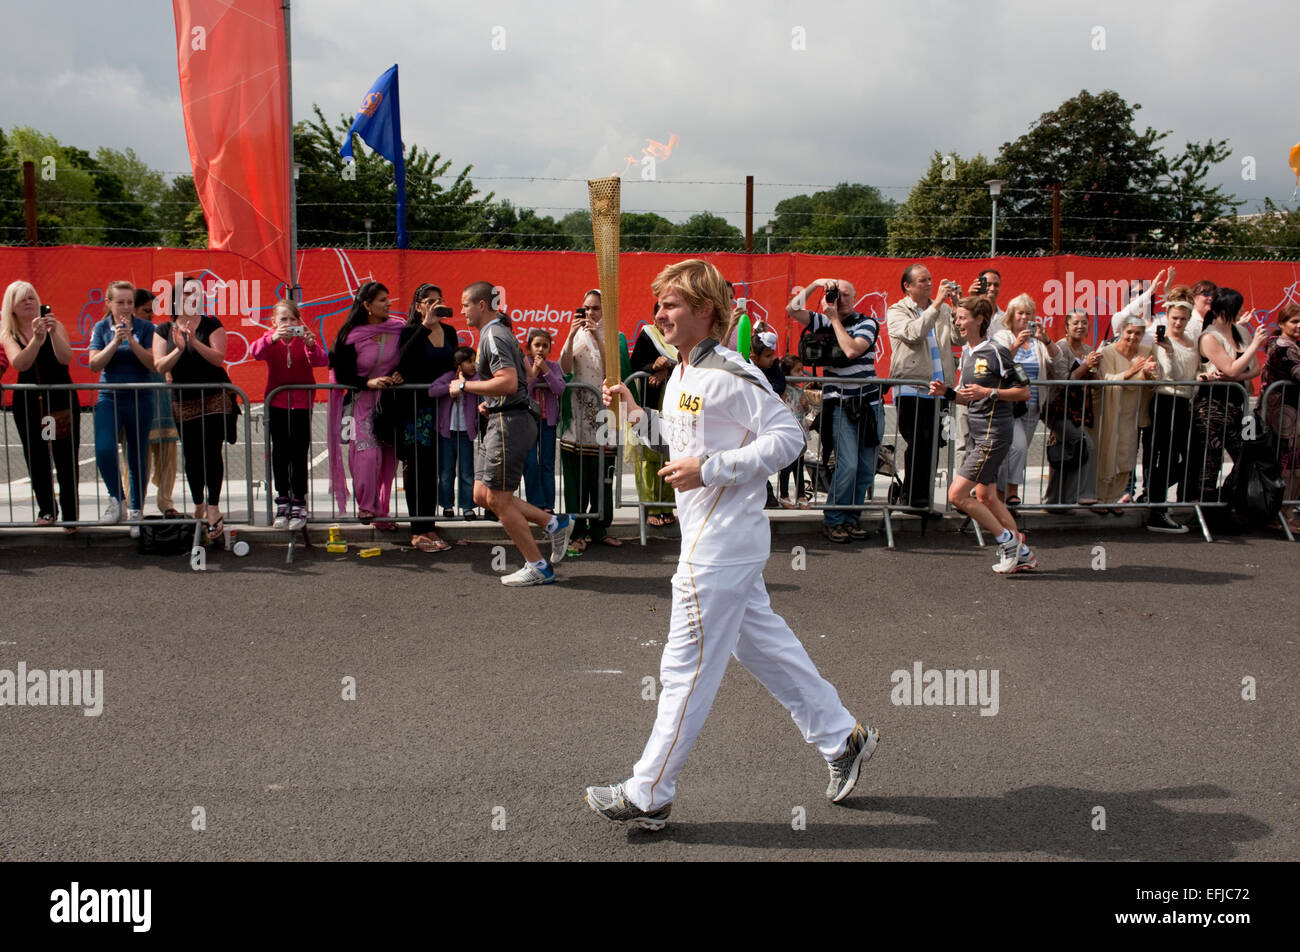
987	446
502	448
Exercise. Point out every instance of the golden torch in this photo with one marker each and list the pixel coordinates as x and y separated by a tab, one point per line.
604	194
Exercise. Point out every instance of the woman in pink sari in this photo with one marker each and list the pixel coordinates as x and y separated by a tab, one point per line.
364	356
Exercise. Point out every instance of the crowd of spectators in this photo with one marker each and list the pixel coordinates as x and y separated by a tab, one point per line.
1159	447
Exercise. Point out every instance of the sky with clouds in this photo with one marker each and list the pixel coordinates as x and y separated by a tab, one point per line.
579	86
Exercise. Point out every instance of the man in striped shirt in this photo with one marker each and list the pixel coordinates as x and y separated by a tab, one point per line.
857	411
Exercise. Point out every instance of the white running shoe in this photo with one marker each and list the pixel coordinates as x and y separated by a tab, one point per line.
1008	555
560	537
112	513
845	768
134	514
297	515
281	514
529	575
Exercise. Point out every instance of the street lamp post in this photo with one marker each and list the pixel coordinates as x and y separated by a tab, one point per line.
768	228
368	222
995	189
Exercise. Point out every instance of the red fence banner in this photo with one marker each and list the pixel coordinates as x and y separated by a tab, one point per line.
542	288
234	78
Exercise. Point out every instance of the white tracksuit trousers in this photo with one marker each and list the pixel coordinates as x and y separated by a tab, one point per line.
719	611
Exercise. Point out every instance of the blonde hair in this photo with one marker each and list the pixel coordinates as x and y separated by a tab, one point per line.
8	320
699	283
1021	302
290	306
117	286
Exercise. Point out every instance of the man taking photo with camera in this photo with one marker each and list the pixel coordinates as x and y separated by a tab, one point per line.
856	411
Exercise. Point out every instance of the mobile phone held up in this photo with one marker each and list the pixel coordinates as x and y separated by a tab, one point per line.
983	285
1160	334
45	310
441	310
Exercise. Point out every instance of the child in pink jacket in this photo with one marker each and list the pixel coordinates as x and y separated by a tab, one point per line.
290	351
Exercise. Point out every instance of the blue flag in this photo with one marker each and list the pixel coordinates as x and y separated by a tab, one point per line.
379	123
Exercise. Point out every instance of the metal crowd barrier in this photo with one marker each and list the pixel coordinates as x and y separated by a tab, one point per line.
1287	398
885	488
73	444
399	501
1186	450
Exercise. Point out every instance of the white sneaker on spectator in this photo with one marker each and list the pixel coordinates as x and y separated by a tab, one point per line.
112	513
134	514
297	515
281	514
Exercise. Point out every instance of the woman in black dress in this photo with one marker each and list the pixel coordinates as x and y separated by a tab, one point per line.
192	348
37	346
426	345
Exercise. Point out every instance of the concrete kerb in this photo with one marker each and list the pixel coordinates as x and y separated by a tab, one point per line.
626	526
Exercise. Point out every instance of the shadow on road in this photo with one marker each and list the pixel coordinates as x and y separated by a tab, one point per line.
1052	820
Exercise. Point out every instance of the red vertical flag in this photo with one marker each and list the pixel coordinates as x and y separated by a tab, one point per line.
234	76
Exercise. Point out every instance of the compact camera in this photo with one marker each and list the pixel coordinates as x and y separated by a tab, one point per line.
441	310
832	294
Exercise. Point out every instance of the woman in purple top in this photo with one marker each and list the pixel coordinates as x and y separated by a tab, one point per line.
457	430
545	384
365	357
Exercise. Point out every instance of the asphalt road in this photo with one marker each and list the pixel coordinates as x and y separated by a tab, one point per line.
1119	689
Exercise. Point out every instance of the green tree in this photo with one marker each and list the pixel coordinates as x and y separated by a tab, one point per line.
642	231
332	206
1270	233
947	212
503	225
844	220
67	210
847	219
13	228
180	216
704	232
1120	192
126	220
577	225
1196	210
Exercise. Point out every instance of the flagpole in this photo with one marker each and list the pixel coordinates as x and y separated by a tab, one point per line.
295	292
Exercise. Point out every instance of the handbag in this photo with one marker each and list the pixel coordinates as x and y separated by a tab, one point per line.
62	418
861	411
173	539
386	418
1255	488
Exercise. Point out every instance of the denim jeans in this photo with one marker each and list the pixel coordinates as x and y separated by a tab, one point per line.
130	411
456	468
855	466
539	470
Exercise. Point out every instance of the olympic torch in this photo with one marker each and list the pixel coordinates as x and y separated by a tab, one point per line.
604	195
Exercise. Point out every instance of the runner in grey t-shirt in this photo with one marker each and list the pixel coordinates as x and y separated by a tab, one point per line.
504	440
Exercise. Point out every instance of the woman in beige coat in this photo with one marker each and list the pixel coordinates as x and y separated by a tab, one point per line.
1123	410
